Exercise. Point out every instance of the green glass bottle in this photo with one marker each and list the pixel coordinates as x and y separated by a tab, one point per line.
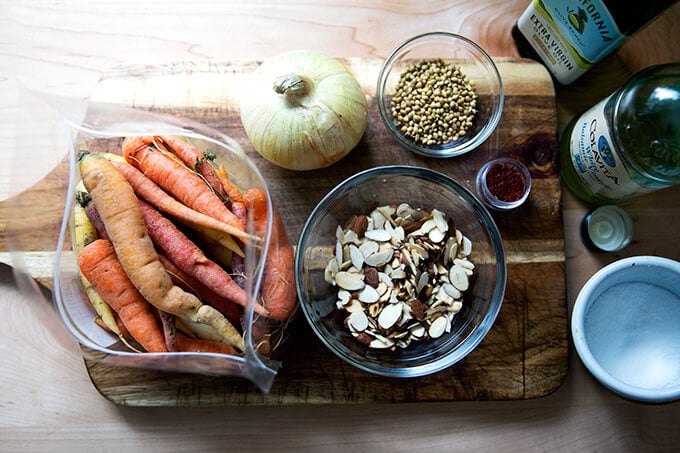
570	36
629	143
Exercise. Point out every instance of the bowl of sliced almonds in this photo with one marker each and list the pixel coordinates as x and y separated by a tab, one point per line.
400	271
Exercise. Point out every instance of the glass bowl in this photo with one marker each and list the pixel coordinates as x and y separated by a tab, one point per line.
421	188
473	62
514	169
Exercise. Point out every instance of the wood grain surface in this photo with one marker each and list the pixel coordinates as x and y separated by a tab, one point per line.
47	400
525	354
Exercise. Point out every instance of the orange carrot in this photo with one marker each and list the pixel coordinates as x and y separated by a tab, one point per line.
151	192
190	284
234	193
278	285
98	262
260	329
188	344
187	256
119	209
195	160
166	170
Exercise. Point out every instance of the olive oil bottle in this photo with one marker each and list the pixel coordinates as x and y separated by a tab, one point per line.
629	143
571	36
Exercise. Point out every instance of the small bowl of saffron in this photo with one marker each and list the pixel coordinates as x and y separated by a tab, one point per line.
503	183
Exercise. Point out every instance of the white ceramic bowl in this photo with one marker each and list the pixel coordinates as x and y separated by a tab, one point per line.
626	328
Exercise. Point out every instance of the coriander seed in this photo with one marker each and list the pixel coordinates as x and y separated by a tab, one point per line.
434	102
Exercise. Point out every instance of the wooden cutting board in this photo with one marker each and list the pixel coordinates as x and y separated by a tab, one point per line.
525	354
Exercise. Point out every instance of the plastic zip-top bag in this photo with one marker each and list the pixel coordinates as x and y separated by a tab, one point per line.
87	128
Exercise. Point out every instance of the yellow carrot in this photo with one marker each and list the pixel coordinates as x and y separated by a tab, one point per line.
85	232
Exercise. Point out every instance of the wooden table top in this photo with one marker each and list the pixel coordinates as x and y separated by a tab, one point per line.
47	400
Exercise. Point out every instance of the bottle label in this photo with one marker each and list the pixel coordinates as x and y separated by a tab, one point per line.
596	160
570	35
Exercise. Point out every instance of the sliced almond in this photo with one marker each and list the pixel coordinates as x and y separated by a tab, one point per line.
436	235
354	305
408	261
381	343
419	251
339	234
330	271
461	263
440	220
418	331
358	321
344	297
389	315
406	315
351	237
452	291
373	311
380	235
423	280
398	274
379	258
458	278
368	248
385	278
368	295
443	296
382	288
438	327
356	256
427	226
350	281
399	234
378	220
450	250
466	246
464	263
387	211
338	253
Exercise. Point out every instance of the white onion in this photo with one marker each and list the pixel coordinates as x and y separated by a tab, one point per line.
303	110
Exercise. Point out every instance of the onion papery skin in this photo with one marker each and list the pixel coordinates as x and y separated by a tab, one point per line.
308	130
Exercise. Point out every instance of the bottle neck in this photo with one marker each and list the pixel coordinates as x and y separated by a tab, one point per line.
643	116
632	16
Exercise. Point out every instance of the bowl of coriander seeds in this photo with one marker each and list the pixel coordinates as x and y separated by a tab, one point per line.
440	94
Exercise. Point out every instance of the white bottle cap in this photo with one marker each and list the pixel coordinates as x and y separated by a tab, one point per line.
608	228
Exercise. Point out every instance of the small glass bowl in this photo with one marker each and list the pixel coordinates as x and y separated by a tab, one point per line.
488	197
473	61
420	187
